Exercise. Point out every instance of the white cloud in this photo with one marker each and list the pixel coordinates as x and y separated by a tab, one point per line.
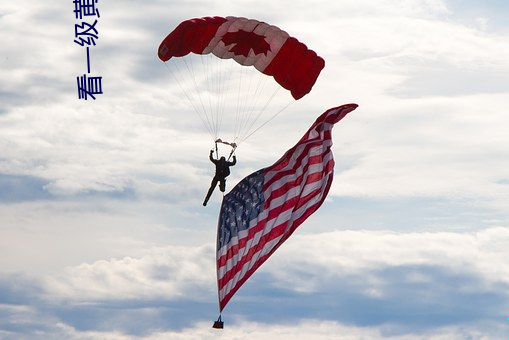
449	147
315	329
308	263
318	329
438	274
339	253
162	273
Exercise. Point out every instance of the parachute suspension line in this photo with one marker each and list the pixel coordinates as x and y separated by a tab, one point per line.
225	82
244	110
267	121
207	81
225	69
188	96
191	69
254	87
234	147
214	91
218	73
211	84
261	112
240	105
218	93
255	94
231	154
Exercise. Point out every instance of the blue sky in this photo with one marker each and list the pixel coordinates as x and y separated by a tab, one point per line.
102	232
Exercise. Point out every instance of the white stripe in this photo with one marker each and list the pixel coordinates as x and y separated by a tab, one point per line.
314	151
299	172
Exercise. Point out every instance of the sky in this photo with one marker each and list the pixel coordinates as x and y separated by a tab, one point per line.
102	231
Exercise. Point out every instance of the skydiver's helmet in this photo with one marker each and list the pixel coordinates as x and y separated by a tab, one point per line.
222	159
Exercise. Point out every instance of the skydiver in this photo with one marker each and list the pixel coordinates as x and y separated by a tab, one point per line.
222	171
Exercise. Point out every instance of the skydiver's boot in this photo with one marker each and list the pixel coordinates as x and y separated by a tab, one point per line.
209	193
207	198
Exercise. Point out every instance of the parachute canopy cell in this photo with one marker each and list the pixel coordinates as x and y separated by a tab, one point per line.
250	43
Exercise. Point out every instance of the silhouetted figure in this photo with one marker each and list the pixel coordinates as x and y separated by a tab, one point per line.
222	171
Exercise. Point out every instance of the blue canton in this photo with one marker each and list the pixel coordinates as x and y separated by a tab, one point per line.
242	204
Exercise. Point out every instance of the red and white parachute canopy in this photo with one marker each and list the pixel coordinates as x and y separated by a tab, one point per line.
248	42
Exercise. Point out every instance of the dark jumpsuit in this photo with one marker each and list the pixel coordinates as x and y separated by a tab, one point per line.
222	171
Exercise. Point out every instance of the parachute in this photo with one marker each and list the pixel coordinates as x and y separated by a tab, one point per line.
199	52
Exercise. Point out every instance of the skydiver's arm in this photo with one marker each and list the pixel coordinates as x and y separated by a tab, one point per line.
234	161
210	156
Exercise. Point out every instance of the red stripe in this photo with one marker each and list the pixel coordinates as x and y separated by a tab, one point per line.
277	169
306	142
298	163
297	182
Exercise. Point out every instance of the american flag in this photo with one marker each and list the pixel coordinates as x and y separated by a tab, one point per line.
266	207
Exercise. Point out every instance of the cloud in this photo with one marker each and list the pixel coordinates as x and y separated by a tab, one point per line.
101	235
376	283
15	188
448	159
356	283
412	281
315	329
477	253
306	329
168	273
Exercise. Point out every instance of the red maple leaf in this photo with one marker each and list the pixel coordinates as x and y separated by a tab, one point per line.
246	41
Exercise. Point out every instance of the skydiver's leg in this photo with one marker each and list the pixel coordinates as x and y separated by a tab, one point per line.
222	184
211	190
